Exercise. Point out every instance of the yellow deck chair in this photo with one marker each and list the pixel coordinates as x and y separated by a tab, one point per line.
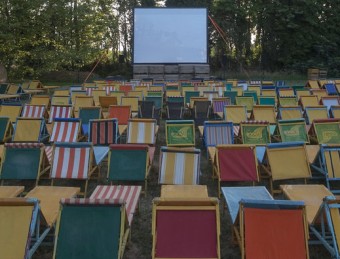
61	93
10	191
136	93
286	92
132	101
313	84
11	111
319	93
290	113
30	130
142	88
75	94
284	161
82	101
60	100
96	95
40	100
264	113
118	95
13	89
310	100
315	113
248	101
288	101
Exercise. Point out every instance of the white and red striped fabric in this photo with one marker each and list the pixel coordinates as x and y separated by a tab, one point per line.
129	194
60	112
65	131
109	89
71	162
49	152
33	111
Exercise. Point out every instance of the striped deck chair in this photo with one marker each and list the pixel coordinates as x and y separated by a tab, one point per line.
24	161
6	129
180	133
10	191
233	196
325	131
23	227
73	161
284	161
310	100
82	101
129	162
288	101
103	132
11	111
323	216
334	112
315	113
91	228
216	133
63	111
34	111
130	194
255	132
66	130
273	229
292	131
86	114
327	163
142	131
290	113
235	163
122	113
218	105
30	130
185	228
61	100
179	166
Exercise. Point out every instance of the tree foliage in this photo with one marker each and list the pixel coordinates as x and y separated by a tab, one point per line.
47	35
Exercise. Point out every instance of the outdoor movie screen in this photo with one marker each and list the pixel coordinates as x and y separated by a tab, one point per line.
170	35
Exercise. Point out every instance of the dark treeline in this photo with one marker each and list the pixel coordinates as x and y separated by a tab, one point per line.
38	36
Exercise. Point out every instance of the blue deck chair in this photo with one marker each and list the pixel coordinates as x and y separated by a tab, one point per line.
91	228
331	89
23	227
86	114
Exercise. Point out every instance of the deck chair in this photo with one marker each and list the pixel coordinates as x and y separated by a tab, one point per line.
273	229
319	93
34	111
313	84
330	101
232	95
129	163
66	130
106	101
310	100
288	101
73	161
180	133
315	113
327	163
24	161
185	228
82	101
286	92
142	131
86	114
146	109
284	161
23	227
251	93
267	100
118	95
132	101
216	133
103	132
122	114
334	112
188	95
290	113
235	163
80	220
10	191
60	100
218	105
30	130
174	110
130	194
264	113
248	101
292	131
3	88
325	131
14	89
96	94
211	95
11	111
201	111
60	112
125	88
41	100
235	113
179	166
6	129
322	210
255	132
331	88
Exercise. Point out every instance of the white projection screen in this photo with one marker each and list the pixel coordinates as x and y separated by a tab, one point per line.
170	35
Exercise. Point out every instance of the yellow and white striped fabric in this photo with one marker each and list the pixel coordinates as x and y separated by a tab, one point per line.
142	131
179	166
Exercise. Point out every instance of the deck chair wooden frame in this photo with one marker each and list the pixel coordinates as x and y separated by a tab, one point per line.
334	112
235	163
284	161
84	218
180	133
24	161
